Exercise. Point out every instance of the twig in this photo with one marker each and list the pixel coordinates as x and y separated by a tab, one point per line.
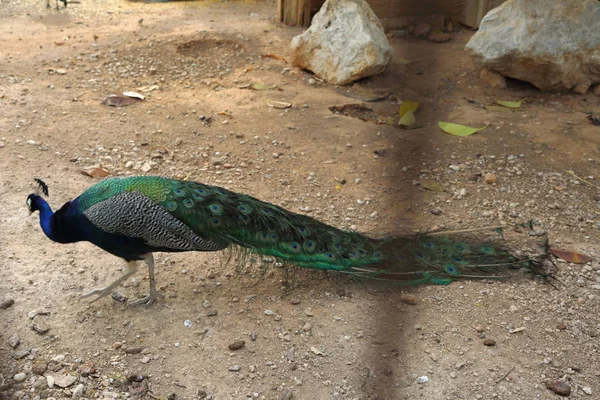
464	230
505	375
582	180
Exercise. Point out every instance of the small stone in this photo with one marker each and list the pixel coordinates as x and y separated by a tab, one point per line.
307	327
479	328
513	308
59	358
87	369
490	178
438	36
559	387
64	381
308	312
50	381
489	342
238	344
311	81
146	167
40	325
117	345
21	353
561	327
60	71
295	301
216	161
145	360
269	313
2	144
587	390
212	313
235	368
14	340
20	377
78	392
118	296
409	299
39	367
492	78
6	303
253	336
133	350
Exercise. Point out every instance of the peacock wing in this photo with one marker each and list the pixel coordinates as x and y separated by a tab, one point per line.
133	214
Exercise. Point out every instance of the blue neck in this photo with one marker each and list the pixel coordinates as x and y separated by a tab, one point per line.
61	226
46	218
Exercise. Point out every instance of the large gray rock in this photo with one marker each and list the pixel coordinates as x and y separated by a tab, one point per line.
345	42
554	45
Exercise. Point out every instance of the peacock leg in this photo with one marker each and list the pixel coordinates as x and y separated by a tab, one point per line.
149	299
101	292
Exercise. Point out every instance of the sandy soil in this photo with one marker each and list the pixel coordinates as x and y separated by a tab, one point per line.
328	337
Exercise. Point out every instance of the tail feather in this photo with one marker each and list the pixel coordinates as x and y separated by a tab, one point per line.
232	218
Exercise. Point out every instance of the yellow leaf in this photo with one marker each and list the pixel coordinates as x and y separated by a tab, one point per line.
407	119
496	108
407	106
431	185
458	130
510	104
402	61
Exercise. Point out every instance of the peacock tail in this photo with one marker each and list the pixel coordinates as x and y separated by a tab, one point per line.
173	215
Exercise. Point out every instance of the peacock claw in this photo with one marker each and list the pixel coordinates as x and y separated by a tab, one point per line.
146	300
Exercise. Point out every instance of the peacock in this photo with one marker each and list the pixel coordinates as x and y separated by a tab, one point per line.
133	217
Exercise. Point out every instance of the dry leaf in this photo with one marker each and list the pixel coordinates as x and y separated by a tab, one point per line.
317	351
134	95
262	86
278	104
431	185
274	56
571	256
510	104
119	101
95	172
496	108
148	88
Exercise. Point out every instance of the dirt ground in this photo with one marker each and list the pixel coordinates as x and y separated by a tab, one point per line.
327	336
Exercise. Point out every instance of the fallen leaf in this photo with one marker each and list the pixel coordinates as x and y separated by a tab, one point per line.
148	88
458	130
278	104
95	172
119	101
496	108
226	113
571	256
517	330
407	112
509	104
407	119
262	86
134	95
431	185
402	61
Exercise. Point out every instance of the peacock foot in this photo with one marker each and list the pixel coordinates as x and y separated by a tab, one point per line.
101	292
147	300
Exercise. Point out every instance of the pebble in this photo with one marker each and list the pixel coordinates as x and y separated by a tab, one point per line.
64	381
295	301
479	328
423	379
145	360
20	377
235	368
559	387
308	312
489	342
50	381
312	81
59	358
409	299
21	353
40	325
146	167
490	178
78	392
269	313
133	350
307	327
14	341
253	336
39	367
587	390
87	369
238	344
6	303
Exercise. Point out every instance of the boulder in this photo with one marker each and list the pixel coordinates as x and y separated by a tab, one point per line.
345	42
555	47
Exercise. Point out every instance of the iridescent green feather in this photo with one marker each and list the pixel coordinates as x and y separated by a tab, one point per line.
228	217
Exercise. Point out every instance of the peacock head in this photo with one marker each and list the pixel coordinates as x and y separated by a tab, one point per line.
34	199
